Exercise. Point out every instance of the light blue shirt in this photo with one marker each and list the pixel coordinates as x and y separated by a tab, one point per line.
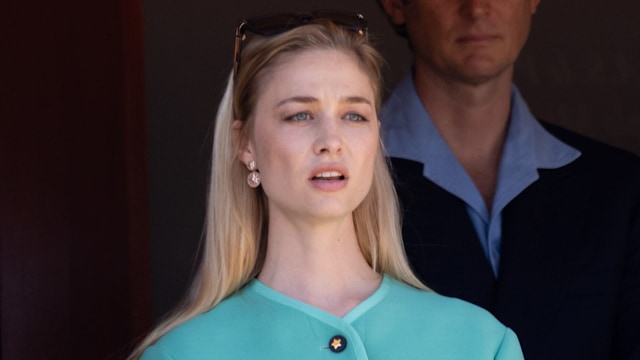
409	133
396	322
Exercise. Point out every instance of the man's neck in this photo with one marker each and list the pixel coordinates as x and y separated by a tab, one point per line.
473	119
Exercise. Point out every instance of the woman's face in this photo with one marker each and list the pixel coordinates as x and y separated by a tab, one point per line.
315	136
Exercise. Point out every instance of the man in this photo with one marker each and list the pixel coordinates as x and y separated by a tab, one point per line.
537	224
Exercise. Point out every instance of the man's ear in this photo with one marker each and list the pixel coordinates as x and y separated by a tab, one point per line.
534	6
395	10
245	148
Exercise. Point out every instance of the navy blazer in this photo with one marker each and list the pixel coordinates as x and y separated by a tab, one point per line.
569	275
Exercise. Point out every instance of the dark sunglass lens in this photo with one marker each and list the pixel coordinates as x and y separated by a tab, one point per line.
350	21
272	25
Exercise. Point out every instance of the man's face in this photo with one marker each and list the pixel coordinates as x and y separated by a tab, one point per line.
472	41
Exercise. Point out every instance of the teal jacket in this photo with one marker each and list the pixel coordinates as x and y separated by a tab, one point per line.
396	322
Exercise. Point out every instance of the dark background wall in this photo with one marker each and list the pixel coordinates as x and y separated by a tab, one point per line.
580	69
74	244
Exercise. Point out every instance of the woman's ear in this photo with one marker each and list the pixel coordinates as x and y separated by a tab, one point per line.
245	149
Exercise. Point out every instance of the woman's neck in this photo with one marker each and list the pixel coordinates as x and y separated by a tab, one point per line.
320	264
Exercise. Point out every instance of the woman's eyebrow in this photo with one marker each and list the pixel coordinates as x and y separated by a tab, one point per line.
356	100
297	99
311	99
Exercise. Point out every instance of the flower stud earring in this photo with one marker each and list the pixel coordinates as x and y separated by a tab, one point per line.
254	177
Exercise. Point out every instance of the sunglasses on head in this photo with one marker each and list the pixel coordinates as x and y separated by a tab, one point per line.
278	24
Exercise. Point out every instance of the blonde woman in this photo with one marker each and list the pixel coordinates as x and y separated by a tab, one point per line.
303	257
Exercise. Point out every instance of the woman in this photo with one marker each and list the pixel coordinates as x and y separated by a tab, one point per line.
303	259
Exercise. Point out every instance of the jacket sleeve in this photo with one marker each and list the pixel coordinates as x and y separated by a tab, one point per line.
156	353
510	347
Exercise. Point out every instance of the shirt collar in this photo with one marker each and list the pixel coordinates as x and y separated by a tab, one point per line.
408	132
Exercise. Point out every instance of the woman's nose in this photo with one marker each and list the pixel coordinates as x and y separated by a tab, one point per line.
329	137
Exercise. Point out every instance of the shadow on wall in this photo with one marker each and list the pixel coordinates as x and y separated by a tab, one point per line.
581	69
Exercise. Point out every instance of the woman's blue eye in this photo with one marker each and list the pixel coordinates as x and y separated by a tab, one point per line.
302	116
355	117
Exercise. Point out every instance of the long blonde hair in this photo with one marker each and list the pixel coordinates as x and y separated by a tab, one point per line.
235	238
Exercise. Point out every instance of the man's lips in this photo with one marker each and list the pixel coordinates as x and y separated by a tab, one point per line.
477	38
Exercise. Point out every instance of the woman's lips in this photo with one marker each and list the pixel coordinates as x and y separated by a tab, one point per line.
329	179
